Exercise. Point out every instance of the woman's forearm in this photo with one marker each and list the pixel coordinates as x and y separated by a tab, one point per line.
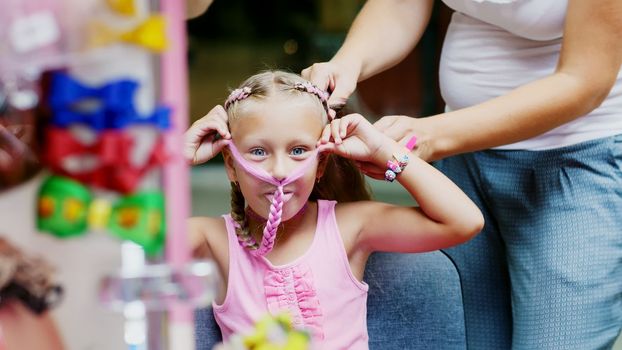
383	34
524	113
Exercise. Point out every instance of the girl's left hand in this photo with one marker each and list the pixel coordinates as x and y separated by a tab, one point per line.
353	137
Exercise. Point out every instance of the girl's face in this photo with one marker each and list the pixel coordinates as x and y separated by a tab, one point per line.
276	134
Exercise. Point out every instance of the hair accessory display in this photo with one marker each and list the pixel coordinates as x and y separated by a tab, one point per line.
103	127
395	166
114	170
109	106
237	95
276	207
66	208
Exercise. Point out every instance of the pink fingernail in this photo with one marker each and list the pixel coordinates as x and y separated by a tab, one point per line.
412	143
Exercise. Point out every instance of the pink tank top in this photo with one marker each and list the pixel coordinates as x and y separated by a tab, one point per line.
317	289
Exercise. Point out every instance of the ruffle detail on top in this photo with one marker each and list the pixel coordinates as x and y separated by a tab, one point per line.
292	290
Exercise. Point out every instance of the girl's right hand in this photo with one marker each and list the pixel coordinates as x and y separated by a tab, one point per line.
207	136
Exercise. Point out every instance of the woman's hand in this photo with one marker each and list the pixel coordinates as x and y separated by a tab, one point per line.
401	128
206	137
336	78
354	137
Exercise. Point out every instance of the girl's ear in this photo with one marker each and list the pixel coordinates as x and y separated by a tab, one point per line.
321	167
229	165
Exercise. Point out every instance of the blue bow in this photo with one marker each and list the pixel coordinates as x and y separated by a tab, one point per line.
159	118
67	93
109	106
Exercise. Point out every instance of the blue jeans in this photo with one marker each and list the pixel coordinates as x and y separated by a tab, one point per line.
554	227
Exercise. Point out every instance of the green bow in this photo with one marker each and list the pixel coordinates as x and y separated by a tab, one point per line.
67	208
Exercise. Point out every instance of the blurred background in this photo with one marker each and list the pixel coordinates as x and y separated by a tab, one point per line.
235	39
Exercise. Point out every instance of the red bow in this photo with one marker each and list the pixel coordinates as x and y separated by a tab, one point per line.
112	149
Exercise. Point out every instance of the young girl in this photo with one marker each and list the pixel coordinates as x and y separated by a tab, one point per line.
298	235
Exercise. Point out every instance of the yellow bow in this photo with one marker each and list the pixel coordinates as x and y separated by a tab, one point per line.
150	34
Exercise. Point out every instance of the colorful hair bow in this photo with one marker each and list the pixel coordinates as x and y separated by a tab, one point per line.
66	93
114	170
66	208
111	148
109	106
100	120
160	118
150	34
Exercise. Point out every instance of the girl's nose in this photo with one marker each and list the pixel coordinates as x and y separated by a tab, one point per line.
280	168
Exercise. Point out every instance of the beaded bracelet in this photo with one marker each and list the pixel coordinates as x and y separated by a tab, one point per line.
395	166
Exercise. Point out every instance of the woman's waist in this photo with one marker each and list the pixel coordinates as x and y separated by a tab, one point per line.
479	62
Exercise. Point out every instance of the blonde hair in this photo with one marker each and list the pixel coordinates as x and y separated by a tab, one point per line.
341	181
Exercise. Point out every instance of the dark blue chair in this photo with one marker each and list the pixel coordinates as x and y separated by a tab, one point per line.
414	302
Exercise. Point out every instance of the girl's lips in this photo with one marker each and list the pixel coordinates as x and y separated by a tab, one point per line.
286	196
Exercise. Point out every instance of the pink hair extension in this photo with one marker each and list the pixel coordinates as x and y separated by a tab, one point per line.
237	95
276	207
312	89
272	225
306	86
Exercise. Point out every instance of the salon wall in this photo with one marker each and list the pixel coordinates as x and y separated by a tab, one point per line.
80	262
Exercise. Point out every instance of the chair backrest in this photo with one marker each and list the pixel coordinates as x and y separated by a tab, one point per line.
414	302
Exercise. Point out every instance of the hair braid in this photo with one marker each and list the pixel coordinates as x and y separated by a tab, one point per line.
238	214
274	220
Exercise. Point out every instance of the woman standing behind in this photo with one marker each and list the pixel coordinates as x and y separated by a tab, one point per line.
533	134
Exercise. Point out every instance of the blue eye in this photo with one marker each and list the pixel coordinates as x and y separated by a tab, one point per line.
298	151
258	152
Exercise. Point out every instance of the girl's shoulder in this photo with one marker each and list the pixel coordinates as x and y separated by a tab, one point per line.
202	224
208	237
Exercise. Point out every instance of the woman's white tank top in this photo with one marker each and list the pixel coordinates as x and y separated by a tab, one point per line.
494	46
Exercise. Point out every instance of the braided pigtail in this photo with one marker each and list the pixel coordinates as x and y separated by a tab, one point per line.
238	214
274	220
